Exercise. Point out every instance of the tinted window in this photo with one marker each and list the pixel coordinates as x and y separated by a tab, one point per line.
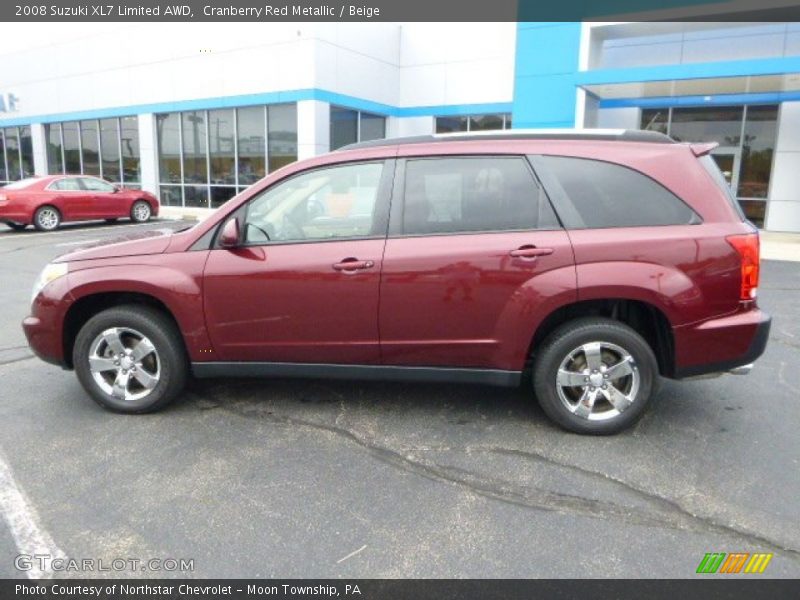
336	202
600	194
473	194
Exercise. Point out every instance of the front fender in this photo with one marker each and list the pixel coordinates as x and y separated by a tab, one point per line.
177	286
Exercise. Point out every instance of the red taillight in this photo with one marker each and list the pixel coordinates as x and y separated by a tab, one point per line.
748	248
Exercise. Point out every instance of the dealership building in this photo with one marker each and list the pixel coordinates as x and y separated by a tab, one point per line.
196	112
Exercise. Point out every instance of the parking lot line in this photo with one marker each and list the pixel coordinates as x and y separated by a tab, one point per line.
23	522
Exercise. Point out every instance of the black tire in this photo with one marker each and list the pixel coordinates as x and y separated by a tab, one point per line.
170	355
141	211
16	226
560	346
46	218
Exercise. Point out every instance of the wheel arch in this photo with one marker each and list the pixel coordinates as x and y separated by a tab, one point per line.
85	307
646	318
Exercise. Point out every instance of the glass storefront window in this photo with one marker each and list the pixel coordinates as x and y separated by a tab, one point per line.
55	157
252	146
760	133
344	127
12	153
90	148
3	174
222	147
195	167
281	135
655	119
26	151
373	127
350	126
722	124
207	157
488	122
109	148
129	144
72	147
169	147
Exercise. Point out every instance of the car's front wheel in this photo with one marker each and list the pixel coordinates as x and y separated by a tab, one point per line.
595	376
141	211
130	359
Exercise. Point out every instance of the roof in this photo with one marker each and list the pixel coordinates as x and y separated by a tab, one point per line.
612	135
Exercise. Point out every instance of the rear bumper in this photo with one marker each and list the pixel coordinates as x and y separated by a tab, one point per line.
721	345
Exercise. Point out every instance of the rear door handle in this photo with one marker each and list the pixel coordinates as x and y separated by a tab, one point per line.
353	264
530	252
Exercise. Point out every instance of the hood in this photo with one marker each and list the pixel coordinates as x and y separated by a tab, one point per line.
133	244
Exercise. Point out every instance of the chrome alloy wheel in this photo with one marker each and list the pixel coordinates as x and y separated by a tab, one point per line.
598	381
141	211
47	218
124	363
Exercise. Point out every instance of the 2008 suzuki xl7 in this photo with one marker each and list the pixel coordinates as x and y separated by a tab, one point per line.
592	262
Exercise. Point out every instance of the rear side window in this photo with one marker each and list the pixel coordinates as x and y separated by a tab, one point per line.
467	194
69	184
595	194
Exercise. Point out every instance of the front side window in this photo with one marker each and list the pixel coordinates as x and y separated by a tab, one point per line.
599	194
96	185
449	195
324	204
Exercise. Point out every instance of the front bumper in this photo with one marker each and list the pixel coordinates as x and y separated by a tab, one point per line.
44	328
731	342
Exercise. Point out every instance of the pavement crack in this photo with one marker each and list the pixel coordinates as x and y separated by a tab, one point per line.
669	514
666	504
16	360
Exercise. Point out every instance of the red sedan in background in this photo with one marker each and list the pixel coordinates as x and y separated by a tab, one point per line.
45	202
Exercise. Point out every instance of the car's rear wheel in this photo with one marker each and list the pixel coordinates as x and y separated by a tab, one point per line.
130	359
595	376
46	218
16	226
141	211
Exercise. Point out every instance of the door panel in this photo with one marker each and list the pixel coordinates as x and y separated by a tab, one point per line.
465	301
294	302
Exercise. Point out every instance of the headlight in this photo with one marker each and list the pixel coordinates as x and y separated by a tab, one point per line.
50	273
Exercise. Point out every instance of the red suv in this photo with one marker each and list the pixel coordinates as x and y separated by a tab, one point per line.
591	262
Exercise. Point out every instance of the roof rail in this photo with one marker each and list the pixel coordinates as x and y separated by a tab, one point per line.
617	135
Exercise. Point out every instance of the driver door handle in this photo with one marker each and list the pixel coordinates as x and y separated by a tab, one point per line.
353	264
529	251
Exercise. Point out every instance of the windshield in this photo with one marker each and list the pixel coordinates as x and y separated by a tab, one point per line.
22	183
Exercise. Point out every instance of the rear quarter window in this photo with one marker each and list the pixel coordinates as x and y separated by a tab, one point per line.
596	194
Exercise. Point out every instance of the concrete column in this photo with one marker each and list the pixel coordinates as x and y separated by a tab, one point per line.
783	209
313	128
39	149
405	126
148	151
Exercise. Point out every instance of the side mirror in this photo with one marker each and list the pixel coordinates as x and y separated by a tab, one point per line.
229	236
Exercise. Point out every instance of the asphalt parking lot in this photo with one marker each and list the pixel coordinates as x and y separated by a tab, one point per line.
346	479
